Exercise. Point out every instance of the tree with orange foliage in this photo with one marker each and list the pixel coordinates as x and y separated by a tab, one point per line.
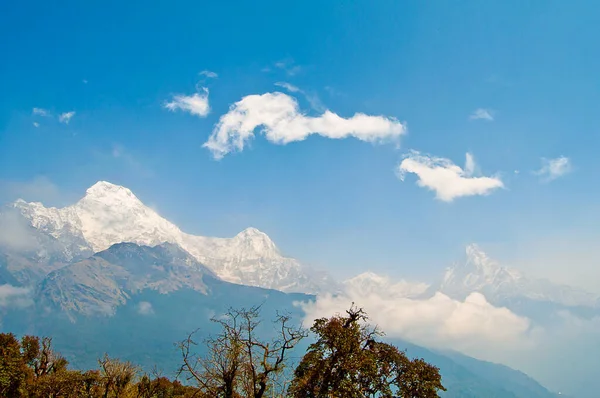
347	361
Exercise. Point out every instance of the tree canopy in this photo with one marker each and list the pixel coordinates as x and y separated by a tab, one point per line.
347	361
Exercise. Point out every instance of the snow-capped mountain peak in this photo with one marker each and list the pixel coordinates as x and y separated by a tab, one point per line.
110	214
253	242
480	273
111	194
480	261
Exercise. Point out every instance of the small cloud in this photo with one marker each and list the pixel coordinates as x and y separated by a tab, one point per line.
145	308
41	112
315	102
482	114
208	74
289	67
16	232
36	124
446	179
195	104
85	81
289	87
66	117
554	168
312	98
12	296
469	165
279	118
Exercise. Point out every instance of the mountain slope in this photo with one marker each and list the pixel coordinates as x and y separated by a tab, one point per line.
110	214
101	283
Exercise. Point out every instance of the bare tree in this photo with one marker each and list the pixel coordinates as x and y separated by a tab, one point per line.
239	363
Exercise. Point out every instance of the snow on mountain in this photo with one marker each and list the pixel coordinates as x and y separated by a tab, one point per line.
480	273
110	214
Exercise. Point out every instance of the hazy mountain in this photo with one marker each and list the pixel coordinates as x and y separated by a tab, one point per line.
135	302
506	286
28	253
369	283
110	214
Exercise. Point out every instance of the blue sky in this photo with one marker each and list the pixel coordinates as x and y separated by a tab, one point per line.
333	203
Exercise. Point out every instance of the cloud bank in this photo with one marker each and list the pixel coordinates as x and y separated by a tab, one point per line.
446	179
279	118
436	321
195	104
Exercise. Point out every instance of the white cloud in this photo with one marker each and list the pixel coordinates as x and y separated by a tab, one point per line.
36	124
196	104
554	168
12	296
281	121
446	179
66	117
312	98
289	67
469	165
209	74
289	87
437	321
482	114
145	308
41	112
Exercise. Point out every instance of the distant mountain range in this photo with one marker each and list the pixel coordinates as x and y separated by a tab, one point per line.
135	302
110	214
503	285
134	283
